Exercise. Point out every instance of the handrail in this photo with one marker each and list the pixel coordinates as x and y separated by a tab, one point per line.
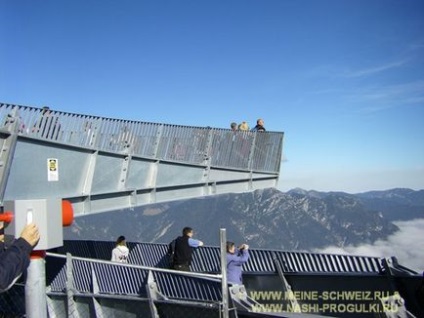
213	277
244	150
206	259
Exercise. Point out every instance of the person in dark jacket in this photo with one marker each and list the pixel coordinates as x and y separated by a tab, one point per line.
15	259
235	260
259	125
184	247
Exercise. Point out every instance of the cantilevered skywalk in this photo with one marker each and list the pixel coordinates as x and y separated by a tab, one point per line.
102	164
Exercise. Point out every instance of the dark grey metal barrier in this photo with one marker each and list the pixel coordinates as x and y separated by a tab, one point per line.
206	259
105	277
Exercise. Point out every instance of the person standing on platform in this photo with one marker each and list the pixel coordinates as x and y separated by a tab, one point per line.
259	125
243	126
235	260
120	252
184	247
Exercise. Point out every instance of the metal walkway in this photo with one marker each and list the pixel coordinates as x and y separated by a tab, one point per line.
103	164
92	286
84	283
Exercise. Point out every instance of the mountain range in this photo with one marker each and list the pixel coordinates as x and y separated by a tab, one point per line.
266	218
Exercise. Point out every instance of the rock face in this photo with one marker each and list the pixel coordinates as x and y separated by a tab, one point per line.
295	220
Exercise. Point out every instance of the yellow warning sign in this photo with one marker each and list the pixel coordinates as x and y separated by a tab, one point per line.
52	169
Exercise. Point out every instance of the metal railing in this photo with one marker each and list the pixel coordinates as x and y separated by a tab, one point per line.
217	147
106	277
206	259
80	287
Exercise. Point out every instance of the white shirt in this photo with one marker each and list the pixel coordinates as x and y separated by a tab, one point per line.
120	254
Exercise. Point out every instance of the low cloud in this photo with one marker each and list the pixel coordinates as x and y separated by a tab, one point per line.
406	245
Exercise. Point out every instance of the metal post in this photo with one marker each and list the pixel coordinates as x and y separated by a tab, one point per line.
35	287
223	244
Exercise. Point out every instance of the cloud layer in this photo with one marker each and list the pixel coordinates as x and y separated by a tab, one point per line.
406	245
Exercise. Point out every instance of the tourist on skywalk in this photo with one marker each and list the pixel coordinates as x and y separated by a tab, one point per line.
259	125
15	258
184	247
13	118
236	257
120	252
243	126
47	125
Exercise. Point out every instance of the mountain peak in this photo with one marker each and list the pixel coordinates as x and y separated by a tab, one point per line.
266	218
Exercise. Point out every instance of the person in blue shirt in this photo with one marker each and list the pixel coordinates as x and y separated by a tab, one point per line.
184	247
15	259
236	257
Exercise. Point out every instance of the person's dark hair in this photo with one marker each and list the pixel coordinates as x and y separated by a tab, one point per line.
45	109
120	240
187	230
229	246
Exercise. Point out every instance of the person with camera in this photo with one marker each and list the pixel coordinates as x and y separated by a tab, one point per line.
236	257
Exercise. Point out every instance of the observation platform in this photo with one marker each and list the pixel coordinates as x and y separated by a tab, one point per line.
82	282
104	164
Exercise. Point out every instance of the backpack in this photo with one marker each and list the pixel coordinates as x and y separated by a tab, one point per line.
171	252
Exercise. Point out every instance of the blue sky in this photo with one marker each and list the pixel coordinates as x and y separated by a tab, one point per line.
344	79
